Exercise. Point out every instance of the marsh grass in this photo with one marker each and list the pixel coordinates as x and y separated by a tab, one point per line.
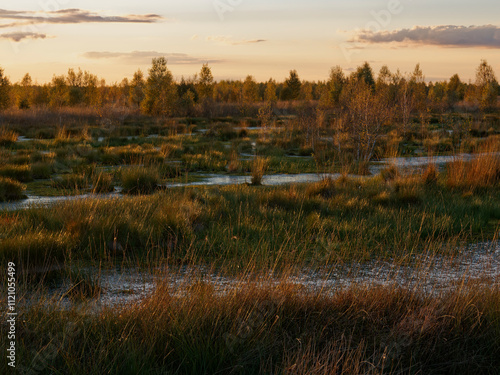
73	182
328	221
139	180
7	137
272	328
11	190
37	248
259	167
479	173
42	169
21	173
212	161
102	182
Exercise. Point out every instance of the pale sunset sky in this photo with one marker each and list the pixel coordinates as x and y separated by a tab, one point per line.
113	39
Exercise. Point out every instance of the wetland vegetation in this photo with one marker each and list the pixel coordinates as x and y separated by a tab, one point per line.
120	176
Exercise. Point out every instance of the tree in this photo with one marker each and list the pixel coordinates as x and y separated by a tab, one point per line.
486	86
250	90
365	73
455	90
136	93
363	113
335	84
160	91
59	95
74	80
5	88
291	89
270	92
418	89
26	92
306	91
205	83
91	95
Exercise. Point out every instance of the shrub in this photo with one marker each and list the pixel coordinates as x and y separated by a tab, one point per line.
139	180
11	190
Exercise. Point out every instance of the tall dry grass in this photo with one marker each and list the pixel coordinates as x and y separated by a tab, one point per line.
481	172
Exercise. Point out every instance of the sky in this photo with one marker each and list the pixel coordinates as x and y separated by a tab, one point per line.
265	39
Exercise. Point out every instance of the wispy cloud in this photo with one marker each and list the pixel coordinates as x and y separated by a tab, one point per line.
227	40
144	57
487	36
70	16
18	36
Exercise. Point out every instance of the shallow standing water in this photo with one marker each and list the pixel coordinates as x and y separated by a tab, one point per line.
406	163
478	263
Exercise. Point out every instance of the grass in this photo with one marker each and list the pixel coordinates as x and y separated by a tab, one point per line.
21	173
42	170
71	182
482	172
139	180
259	167
102	182
11	190
325	222
361	330
247	233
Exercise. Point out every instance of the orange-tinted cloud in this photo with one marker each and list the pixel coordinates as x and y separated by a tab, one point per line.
487	36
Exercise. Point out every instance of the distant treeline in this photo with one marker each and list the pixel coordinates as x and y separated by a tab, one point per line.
160	95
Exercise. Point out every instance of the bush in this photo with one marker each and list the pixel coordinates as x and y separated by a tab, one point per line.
11	190
140	180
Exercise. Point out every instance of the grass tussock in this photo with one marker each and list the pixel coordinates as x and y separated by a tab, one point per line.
102	182
72	181
42	170
325	188
481	172
21	173
11	190
259	168
36	248
140	180
7	137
